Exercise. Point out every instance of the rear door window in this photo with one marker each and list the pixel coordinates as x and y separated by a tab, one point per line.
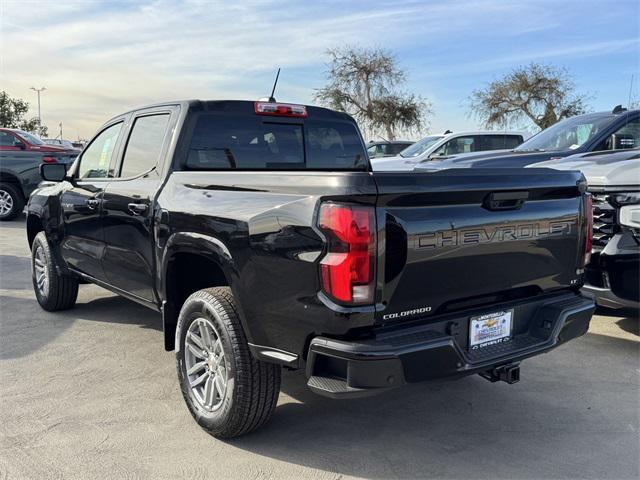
224	142
144	145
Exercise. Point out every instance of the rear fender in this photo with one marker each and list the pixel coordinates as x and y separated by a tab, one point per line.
197	244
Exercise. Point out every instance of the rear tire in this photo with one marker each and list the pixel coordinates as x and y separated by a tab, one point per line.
53	290
11	201
228	392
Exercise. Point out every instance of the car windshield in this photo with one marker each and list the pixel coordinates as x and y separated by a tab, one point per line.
420	146
30	138
567	134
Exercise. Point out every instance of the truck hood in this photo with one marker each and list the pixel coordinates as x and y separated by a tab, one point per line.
607	170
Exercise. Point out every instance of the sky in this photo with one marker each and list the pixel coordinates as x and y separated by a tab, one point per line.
99	59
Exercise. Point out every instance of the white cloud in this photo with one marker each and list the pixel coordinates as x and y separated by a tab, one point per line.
98	59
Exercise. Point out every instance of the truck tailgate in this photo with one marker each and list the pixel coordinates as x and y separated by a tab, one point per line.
460	238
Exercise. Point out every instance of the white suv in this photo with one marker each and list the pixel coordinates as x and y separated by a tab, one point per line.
442	146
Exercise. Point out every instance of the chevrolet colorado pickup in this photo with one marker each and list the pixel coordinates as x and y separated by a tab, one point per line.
260	233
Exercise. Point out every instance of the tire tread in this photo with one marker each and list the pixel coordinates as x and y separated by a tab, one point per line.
257	383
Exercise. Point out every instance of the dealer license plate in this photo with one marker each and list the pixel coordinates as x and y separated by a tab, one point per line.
490	329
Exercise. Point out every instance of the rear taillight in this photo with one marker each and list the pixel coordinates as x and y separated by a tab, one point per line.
48	159
348	267
588	243
280	109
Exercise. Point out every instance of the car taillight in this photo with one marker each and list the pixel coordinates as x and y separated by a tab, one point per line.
280	109
588	244
348	267
48	159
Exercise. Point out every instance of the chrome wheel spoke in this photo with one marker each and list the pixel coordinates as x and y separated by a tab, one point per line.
209	393
220	384
196	351
206	336
196	367
199	380
217	348
197	340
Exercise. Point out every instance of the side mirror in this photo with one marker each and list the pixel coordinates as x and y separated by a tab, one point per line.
53	172
622	141
19	144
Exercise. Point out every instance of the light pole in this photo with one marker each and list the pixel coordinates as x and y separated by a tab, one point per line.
38	90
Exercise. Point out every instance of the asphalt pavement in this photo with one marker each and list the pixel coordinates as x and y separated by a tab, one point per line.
90	393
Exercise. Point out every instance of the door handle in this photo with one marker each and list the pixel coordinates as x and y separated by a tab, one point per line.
137	208
93	203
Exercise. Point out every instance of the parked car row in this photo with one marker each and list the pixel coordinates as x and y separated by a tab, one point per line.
604	146
21	154
438	147
67	144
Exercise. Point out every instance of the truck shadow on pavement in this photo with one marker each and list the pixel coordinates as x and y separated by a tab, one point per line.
448	429
26	328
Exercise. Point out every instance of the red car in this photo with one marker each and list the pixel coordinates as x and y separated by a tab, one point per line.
12	139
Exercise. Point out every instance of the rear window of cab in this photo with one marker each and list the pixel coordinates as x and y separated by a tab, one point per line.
247	142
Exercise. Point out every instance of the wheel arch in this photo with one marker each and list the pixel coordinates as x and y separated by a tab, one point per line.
191	262
9	177
34	226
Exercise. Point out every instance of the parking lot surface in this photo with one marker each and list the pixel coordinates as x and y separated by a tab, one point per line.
90	393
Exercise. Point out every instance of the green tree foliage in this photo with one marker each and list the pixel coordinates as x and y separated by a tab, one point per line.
12	115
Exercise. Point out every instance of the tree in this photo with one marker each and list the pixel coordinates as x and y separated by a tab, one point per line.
363	83
12	112
543	94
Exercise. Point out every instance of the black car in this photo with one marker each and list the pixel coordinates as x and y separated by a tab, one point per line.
260	233
618	129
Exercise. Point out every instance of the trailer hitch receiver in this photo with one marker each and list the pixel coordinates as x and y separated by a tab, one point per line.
505	373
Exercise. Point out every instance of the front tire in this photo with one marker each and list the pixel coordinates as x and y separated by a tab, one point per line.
228	392
11	201
53	290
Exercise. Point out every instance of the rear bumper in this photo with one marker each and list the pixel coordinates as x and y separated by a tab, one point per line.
337	368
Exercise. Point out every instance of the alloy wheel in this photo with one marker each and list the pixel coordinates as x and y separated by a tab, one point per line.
205	364
6	203
42	276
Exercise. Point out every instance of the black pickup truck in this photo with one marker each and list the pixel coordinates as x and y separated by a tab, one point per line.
260	232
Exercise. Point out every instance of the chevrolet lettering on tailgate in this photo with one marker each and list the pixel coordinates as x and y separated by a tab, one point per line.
506	233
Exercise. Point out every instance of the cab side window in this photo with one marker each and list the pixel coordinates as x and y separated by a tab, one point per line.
456	146
499	142
144	145
6	139
627	136
96	158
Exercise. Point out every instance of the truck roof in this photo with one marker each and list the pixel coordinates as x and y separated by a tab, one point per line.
236	106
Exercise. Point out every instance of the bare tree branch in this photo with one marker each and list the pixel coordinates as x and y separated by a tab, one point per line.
363	83
544	94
